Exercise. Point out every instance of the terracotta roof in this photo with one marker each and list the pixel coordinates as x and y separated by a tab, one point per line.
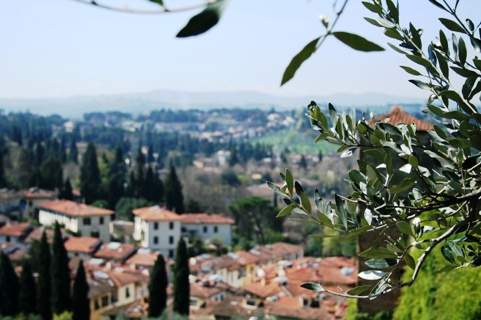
15	251
7	195
75	209
36	234
82	244
279	309
282	248
36	193
136	310
16	230
205	290
204	218
115	251
397	115
246	258
261	290
156	213
144	259
234	307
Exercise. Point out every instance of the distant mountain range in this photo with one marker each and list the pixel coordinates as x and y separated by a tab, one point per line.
76	106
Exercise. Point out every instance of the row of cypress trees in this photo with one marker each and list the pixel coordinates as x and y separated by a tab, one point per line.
50	294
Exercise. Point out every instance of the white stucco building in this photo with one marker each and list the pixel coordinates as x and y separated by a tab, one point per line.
157	228
207	226
77	217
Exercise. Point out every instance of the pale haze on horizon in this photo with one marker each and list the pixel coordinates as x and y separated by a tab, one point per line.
62	48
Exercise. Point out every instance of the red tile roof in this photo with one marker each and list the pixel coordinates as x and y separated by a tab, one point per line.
75	209
156	213
397	115
82	244
36	193
144	259
36	234
115	251
16	230
204	218
199	290
246	258
261	290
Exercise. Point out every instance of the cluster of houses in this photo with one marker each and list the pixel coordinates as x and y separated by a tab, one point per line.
264	281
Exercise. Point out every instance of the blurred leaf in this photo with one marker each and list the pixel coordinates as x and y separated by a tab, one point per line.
203	21
381	263
314	286
358	290
372	274
405	227
409	261
356	42
411	71
289	182
451	25
298	59
286	210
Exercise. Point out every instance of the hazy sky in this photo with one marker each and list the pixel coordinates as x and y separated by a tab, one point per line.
60	48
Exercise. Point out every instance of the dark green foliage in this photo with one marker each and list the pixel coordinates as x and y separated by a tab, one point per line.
125	206
3	180
60	274
9	287
73	152
253	216
181	279
44	285
174	199
27	297
158	288
66	191
229	177
51	173
90	179
80	300
116	179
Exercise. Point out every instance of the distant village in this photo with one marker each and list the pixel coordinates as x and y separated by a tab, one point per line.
264	281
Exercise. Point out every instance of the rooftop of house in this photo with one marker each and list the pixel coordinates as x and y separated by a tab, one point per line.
206	288
36	193
82	244
156	213
16	230
204	218
15	251
397	115
143	258
36	234
74	209
115	251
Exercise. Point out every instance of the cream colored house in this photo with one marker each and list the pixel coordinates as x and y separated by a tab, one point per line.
158	229
77	217
207	226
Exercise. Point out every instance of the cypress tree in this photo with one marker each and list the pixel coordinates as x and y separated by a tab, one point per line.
174	199
73	152
80	300
60	274
44	288
181	279
116	179
67	191
158	288
51	173
9	287
27	297
3	182
90	179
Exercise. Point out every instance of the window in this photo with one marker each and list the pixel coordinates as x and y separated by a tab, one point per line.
205	229
171	225
156	225
96	304
171	239
87	222
105	301
171	253
156	240
127	292
101	220
216	229
95	234
7	238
